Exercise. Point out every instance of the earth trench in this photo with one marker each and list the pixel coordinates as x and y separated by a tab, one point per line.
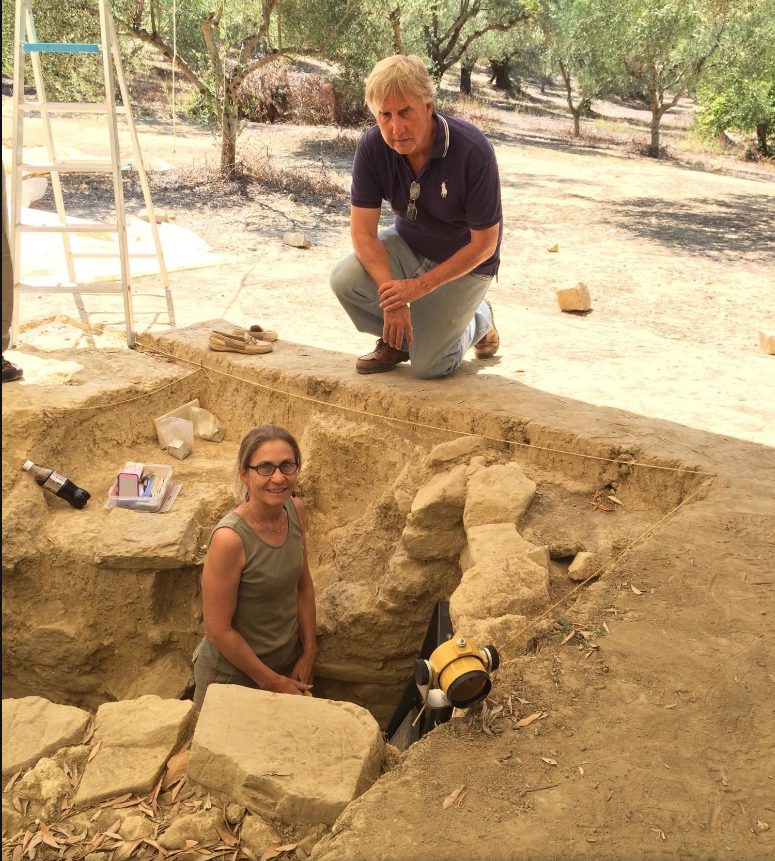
103	605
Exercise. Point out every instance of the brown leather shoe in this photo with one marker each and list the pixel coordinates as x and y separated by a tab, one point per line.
487	347
382	358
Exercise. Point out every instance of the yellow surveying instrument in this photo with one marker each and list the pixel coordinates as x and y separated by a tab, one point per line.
456	674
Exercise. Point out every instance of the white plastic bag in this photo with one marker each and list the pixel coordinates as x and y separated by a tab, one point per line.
176	436
206	425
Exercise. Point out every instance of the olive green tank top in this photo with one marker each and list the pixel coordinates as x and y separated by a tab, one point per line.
266	611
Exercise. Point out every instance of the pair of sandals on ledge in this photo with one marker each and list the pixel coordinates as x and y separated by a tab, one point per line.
250	341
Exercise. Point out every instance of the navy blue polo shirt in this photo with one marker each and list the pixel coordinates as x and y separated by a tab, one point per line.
459	189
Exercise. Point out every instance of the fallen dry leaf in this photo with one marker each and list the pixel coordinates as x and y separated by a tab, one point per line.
453	797
526	721
461	798
177	765
11	781
635	589
126	850
275	851
94	751
223	832
570	636
112	802
47	837
614	499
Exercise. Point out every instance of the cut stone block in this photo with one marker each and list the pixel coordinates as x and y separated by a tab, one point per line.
584	565
33	728
501	493
426	543
767	343
495	541
574	298
137	738
513	586
297	240
297	759
439	503
448	452
160	215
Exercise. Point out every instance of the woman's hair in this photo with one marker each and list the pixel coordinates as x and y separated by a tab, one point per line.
401	73
257	437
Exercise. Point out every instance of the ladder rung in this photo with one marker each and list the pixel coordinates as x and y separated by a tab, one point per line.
70	287
69	107
74	167
60	48
94	227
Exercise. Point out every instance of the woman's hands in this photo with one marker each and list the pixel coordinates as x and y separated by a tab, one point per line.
303	669
284	685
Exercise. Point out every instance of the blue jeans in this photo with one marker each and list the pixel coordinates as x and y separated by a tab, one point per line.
446	322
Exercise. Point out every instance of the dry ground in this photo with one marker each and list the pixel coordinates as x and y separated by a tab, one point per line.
659	744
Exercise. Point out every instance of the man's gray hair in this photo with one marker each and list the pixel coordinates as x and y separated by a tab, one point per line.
401	73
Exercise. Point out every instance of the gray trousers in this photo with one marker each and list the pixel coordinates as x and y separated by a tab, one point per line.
446	323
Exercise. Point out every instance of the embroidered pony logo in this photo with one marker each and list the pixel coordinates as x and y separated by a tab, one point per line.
444	188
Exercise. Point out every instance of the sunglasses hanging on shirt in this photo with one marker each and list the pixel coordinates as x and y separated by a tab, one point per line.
414	193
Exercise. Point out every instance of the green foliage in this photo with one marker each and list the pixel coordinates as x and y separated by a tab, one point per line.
738	91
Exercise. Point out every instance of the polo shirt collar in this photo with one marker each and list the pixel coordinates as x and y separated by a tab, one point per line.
441	144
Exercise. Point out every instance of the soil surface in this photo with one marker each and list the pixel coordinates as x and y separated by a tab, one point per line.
659	742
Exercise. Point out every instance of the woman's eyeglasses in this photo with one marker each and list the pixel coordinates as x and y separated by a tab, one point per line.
411	209
265	468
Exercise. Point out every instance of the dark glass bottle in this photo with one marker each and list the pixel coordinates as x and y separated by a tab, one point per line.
57	484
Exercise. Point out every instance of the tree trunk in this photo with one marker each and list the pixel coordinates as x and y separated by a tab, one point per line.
465	78
761	139
229	129
656	116
394	16
575	112
500	75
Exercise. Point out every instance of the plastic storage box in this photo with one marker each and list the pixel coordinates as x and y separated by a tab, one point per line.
162	480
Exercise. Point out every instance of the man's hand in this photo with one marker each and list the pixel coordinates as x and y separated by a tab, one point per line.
396	326
394	294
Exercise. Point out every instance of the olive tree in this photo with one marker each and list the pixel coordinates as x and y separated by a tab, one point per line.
658	47
738	91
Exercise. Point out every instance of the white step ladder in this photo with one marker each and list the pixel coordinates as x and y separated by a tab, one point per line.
25	42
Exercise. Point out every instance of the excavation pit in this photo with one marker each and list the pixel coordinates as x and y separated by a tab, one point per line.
411	497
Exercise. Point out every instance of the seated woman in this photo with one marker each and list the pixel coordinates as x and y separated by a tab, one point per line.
257	592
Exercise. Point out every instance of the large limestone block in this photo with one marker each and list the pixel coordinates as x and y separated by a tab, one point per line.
138	540
439	503
137	738
33	728
515	586
297	759
406	580
493	541
424	543
464	447
501	493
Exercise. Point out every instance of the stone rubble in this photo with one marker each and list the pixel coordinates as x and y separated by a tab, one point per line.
254	755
